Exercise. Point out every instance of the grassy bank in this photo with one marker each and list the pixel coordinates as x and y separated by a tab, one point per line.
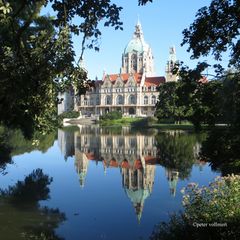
151	123
139	122
120	122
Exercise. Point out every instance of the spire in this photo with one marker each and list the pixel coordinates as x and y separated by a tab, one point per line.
172	54
138	30
139	209
170	65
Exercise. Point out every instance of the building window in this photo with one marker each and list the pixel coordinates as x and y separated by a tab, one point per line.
108	100
145	141
153	99
85	101
132	99
132	142
97	100
119	99
109	142
120	141
145	100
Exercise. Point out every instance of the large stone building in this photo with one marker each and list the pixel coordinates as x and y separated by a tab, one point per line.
134	90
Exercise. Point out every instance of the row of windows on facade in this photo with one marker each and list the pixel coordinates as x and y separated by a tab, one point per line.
120	100
131	141
121	151
128	151
133	59
121	142
108	90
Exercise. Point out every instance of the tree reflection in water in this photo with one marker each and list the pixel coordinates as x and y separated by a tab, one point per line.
22	216
222	150
178	150
12	143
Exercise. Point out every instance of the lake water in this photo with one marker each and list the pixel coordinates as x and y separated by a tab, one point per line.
108	183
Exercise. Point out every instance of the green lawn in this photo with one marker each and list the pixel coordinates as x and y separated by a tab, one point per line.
139	122
126	121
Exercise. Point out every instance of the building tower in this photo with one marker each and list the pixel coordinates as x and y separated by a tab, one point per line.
138	184
170	77
137	56
172	177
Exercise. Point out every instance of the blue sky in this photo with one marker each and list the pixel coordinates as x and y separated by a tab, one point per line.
162	21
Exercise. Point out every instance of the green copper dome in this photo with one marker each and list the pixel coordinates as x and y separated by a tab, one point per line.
137	196
134	45
137	43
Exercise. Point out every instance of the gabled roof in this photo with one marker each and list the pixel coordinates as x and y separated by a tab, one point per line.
154	81
124	76
149	81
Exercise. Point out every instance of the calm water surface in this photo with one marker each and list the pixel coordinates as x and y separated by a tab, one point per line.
108	183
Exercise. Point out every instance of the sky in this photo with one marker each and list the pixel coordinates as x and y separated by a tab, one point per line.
162	22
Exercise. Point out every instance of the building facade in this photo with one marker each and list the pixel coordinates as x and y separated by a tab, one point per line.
134	90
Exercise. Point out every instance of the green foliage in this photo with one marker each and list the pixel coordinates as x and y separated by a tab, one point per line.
37	56
221	149
22	216
200	102
176	150
111	116
175	229
144	122
34	57
13	142
32	189
231	98
215	30
204	104
71	114
211	212
169	105
219	202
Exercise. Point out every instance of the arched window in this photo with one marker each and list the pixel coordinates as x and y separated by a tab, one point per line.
153	99
108	100
134	62
145	100
132	142
132	99
119	100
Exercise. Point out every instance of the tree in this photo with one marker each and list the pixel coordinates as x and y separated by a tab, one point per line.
33	60
204	105
215	30
231	99
168	105
37	56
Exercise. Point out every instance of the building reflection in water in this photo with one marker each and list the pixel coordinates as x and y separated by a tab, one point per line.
134	154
